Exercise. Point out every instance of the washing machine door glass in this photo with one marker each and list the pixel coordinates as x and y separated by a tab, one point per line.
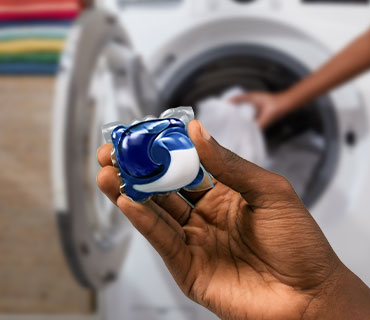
101	80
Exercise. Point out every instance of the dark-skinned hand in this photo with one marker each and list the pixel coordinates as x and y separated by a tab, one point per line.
249	249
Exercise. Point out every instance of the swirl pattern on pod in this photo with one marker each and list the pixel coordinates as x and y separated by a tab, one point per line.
156	156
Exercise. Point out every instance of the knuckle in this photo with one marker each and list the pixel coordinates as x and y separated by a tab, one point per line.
282	183
124	203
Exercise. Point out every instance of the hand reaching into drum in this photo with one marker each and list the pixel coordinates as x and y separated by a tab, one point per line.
270	107
249	249
349	62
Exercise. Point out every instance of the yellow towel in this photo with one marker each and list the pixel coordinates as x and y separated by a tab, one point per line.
31	45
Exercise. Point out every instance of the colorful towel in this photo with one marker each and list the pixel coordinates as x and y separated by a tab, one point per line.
46	15
28	68
21	3
32	34
18	7
7	34
38	57
38	9
34	23
31	45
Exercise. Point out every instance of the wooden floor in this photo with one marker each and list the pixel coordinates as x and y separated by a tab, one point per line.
34	277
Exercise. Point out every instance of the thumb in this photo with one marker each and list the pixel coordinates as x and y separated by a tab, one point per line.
250	180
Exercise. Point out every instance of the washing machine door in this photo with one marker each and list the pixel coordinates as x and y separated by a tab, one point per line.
101	80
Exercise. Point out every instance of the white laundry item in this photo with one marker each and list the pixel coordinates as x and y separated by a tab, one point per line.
233	126
297	159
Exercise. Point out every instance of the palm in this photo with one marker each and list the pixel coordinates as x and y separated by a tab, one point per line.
226	254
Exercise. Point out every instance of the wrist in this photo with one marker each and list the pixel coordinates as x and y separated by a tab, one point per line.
285	103
342	296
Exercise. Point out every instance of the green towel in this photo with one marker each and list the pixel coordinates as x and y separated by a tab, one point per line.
36	57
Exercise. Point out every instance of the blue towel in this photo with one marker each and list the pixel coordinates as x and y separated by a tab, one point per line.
28	68
4	24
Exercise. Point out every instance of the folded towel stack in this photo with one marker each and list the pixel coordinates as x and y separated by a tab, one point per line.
32	34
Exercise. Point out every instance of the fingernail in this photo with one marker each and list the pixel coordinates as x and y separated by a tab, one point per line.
204	132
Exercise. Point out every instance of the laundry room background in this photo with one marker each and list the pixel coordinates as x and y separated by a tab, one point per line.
34	276
67	67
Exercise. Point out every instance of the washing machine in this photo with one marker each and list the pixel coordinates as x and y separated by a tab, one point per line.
126	58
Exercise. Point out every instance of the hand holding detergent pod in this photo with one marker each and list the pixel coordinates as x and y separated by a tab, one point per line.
156	155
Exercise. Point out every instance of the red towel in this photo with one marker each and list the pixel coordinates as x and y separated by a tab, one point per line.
36	15
39	7
20	3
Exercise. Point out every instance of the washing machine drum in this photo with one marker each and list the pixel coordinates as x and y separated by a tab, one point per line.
103	80
303	146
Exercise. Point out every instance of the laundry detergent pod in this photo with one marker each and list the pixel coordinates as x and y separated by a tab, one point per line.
156	155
